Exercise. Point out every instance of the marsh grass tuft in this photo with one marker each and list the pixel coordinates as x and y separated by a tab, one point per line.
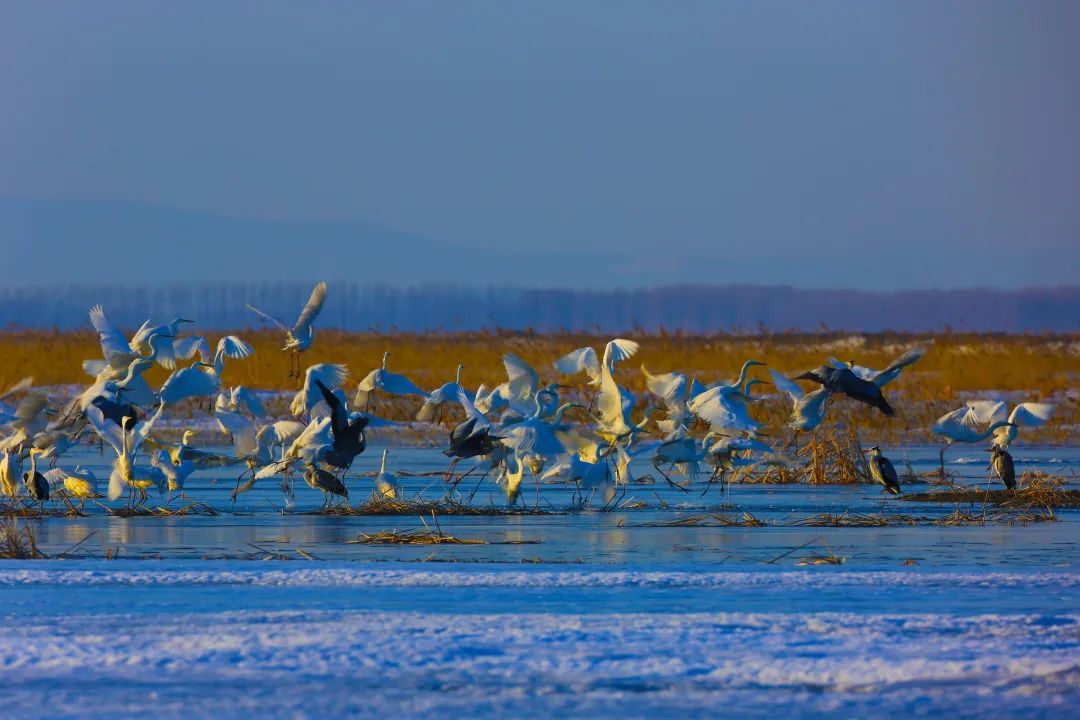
18	543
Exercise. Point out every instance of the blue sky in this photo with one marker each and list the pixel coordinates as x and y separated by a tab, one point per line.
853	144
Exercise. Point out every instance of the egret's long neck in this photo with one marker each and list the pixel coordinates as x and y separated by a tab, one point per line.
742	374
385	359
382	467
33	465
458	378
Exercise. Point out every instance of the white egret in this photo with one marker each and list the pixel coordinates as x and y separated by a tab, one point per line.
309	396
239	398
1029	414
125	440
740	382
670	388
143	342
383	380
80	483
299	337
965	425
386	482
175	473
613	416
439	397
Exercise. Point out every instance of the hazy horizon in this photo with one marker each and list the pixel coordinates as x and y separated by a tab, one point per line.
833	145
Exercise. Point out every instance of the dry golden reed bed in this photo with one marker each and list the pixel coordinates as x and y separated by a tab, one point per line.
957	367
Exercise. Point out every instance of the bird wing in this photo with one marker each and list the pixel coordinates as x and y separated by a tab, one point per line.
286	430
55	477
609	401
890	373
249	399
469	407
185	348
338	419
25	384
1031	414
523	380
186	383
233	347
311	310
143	428
581	360
107	430
721	409
787	385
618	350
396	384
985	412
241	429
112	340
30	407
164	350
669	387
268	316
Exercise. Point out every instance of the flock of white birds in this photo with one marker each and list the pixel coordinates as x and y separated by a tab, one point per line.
516	429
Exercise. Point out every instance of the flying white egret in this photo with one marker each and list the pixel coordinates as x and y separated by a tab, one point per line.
164	352
670	388
299	337
1028	414
740	382
7	410
385	381
439	397
724	407
255	446
534	437
613	416
309	396
510	477
808	409
965	425
203	379
239	398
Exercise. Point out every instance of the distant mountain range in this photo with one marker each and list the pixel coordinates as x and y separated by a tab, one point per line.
696	309
144	261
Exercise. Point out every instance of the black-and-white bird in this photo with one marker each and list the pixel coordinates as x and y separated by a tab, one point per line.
347	430
1002	463
859	383
883	472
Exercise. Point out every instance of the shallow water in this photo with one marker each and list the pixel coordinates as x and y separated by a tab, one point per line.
259	521
615	619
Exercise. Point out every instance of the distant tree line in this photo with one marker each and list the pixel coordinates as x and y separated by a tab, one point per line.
686	308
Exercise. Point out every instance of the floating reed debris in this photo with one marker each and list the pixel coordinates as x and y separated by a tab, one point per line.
851	519
396	506
192	508
710	520
18	543
1035	491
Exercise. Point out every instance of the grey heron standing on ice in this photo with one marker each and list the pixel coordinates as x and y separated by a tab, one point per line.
299	337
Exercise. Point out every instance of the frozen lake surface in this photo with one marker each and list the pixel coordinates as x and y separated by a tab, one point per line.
599	615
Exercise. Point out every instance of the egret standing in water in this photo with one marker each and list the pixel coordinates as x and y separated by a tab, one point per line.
299	337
